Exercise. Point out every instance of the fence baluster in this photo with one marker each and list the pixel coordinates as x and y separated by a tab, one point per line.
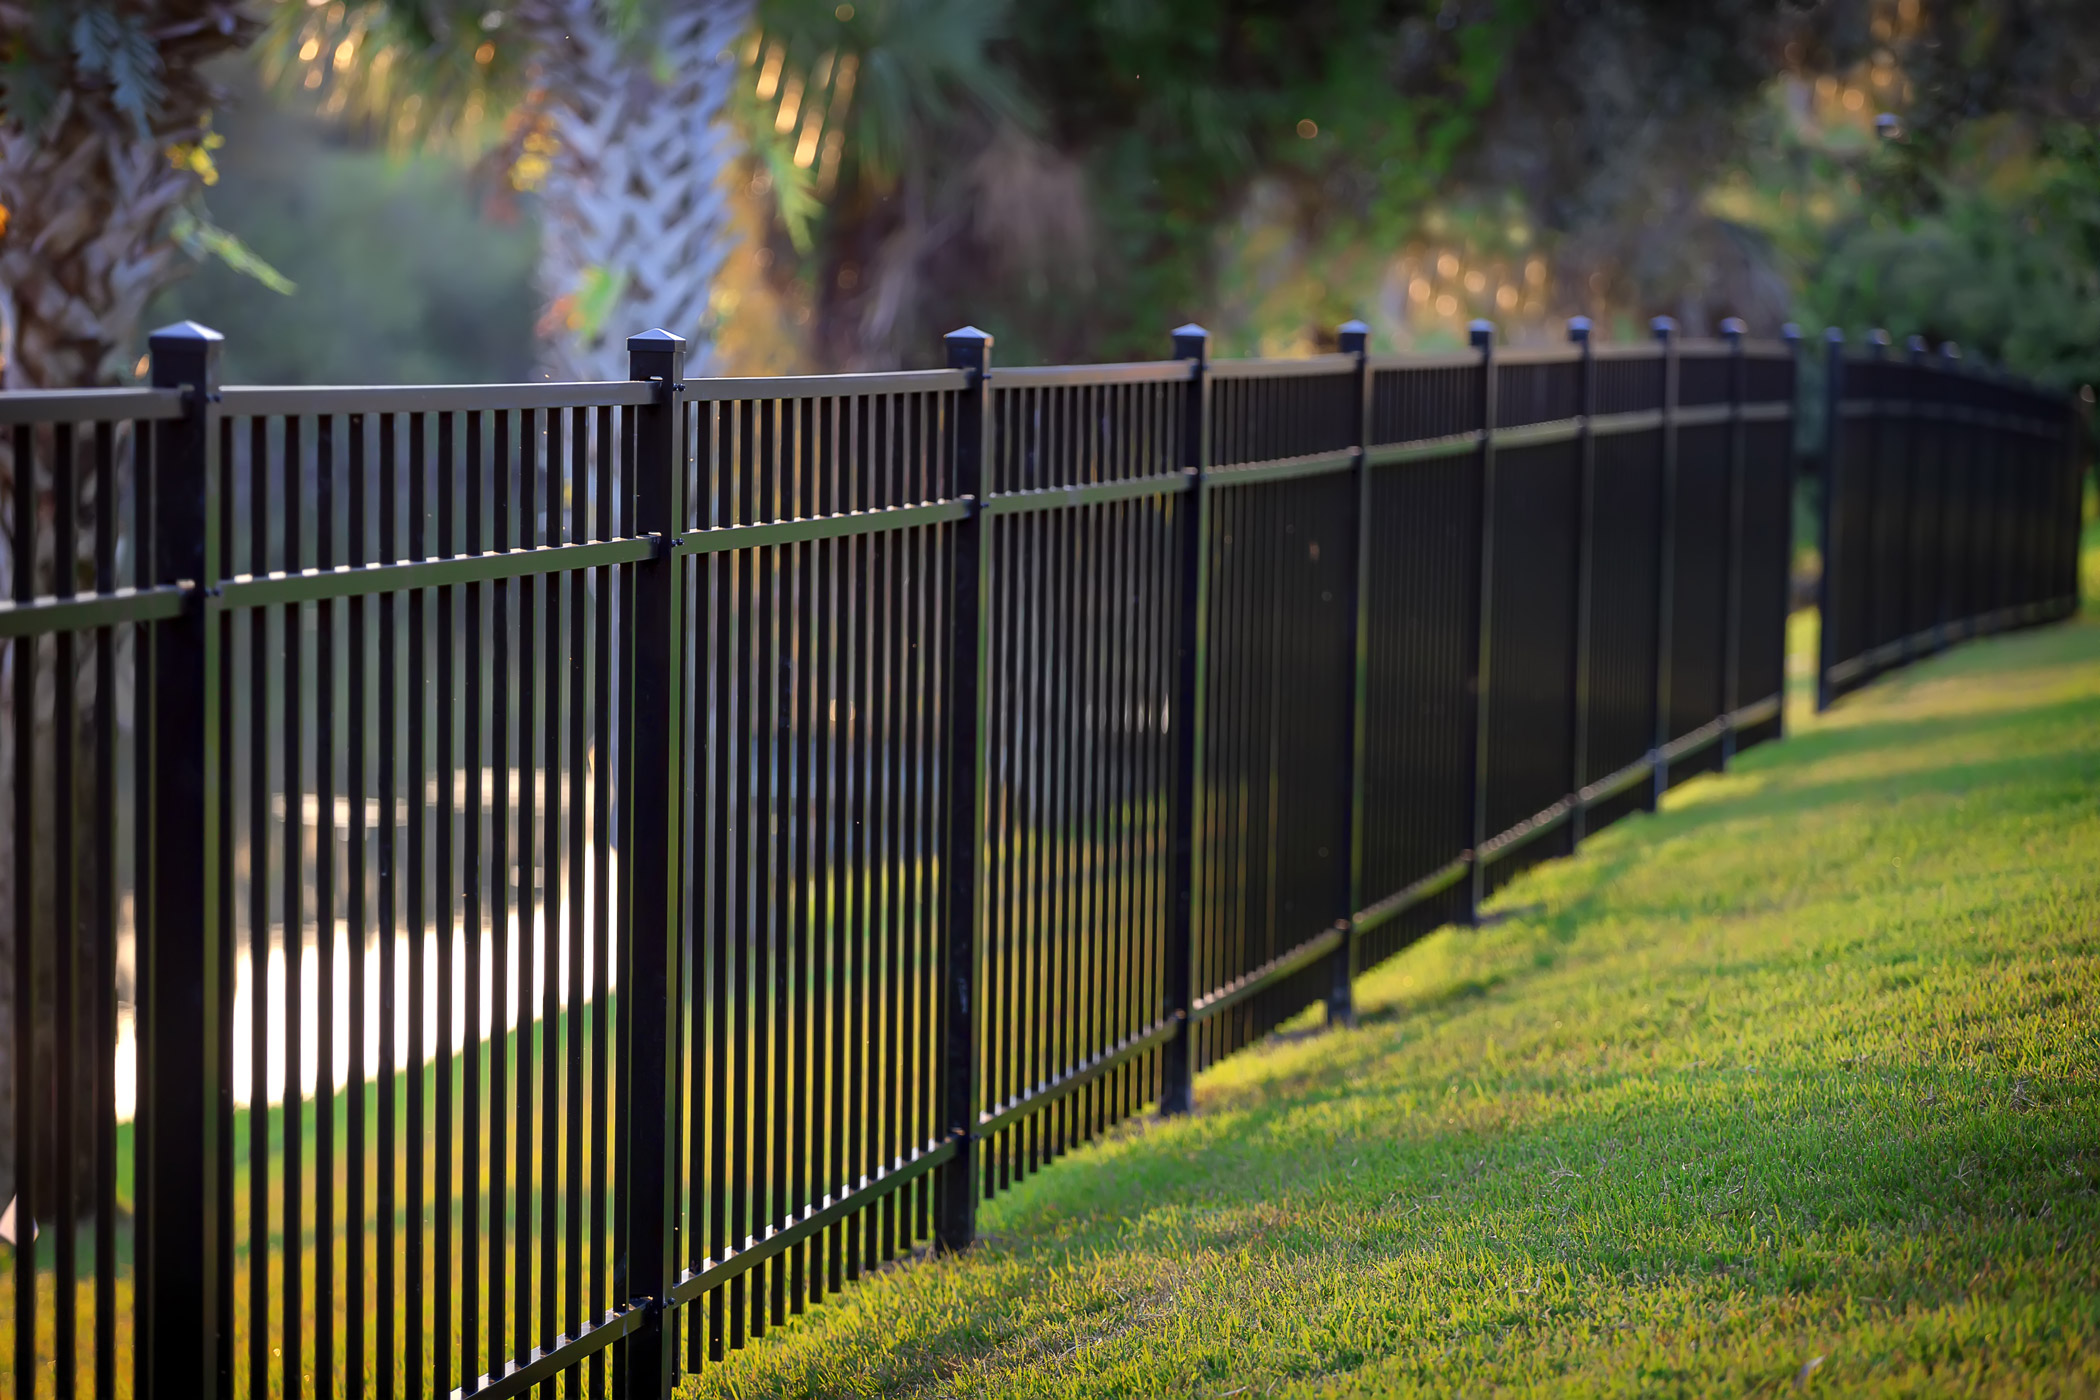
1828	588
1585	568
1483	340
1791	335
1733	330
1665	331
1355	339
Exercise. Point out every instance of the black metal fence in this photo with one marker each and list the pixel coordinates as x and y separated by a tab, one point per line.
529	886
1950	508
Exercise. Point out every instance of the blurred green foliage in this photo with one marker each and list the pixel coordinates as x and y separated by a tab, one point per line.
1356	109
2002	255
1988	236
402	273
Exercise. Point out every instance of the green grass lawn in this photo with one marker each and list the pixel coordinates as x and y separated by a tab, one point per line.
1795	1084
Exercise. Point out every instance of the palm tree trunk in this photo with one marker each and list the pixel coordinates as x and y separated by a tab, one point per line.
85	249
636	191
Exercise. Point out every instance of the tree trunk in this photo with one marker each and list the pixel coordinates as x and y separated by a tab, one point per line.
636	189
85	248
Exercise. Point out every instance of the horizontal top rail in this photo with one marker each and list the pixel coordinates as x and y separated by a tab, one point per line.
1536	355
1282	369
1448	359
1060	376
826	386
272	401
88	405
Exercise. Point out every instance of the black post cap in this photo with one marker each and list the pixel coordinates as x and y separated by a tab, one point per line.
969	348
185	354
1191	342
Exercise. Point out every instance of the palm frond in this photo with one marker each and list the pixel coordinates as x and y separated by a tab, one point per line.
430	72
884	75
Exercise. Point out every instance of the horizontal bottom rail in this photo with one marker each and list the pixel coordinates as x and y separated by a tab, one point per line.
1612	784
1407	897
1698	741
1110	1059
1436	882
1754	713
1847	671
1888	656
1267	975
832	1210
1524	831
545	1363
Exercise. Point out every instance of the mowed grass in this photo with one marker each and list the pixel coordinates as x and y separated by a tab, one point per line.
1795	1084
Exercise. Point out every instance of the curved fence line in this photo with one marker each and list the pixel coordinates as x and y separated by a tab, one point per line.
527	887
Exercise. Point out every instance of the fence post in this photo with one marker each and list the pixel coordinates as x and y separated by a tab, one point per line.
1585	569
963	772
1827	589
1955	529
1791	334
1733	331
1483	339
1871	582
1355	339
179	975
1665	331
1191	653
1917	358
2078	430
648	1160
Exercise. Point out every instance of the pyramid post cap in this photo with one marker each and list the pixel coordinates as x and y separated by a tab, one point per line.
1189	331
654	339
968	333
1835	335
1878	338
1663	327
1579	328
186	330
1352	326
1790	331
1735	325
